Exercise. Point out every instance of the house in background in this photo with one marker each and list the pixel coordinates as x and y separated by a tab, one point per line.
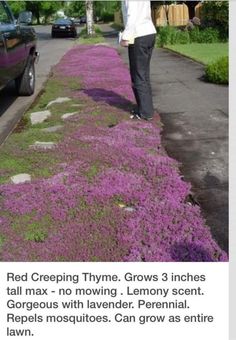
164	12
175	14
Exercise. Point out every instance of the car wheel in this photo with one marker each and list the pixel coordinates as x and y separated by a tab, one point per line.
53	35
25	83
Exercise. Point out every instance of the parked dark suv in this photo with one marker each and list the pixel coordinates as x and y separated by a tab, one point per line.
17	50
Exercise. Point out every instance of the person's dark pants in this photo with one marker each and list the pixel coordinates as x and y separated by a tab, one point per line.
139	60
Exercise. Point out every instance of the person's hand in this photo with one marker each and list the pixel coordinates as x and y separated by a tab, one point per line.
124	43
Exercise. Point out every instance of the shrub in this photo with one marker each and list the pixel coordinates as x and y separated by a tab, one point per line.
182	37
216	14
218	72
209	35
107	17
195	35
166	36
170	35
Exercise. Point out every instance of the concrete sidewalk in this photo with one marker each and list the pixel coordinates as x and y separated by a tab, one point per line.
195	130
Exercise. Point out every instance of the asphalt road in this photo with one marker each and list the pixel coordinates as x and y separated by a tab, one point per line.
12	107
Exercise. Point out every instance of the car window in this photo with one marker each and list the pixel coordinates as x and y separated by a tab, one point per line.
63	21
5	17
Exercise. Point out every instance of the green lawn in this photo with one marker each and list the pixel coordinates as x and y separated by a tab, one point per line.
96	39
204	53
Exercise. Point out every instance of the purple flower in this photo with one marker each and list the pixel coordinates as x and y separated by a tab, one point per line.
105	163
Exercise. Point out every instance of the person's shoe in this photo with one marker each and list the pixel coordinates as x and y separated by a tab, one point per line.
135	116
146	117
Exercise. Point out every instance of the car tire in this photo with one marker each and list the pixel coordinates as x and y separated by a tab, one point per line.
53	35
25	83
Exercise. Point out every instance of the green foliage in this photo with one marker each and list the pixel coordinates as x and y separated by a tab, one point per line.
218	72
49	8
182	37
97	32
216	14
2	240
84	38
34	7
92	172
44	9
36	235
166	36
195	35
107	17
209	35
17	7
170	35
97	38
32	229
104	10
75	9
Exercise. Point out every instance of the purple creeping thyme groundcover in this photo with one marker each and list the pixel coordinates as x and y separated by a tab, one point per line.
115	195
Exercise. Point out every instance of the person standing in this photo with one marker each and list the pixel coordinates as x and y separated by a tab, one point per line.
139	36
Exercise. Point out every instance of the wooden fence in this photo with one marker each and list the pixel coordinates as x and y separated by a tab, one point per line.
174	15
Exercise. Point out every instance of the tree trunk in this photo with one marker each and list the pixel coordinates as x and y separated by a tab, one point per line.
38	18
89	17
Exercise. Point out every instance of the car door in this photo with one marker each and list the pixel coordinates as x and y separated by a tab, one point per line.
13	49
3	55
